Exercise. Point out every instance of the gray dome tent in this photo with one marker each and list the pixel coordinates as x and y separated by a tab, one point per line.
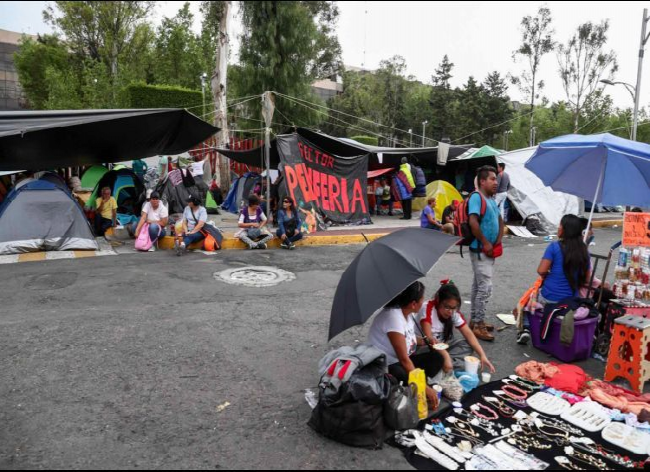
42	215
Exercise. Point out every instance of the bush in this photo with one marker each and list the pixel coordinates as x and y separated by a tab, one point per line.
368	140
161	96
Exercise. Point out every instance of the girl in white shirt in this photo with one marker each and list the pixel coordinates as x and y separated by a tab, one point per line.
393	333
438	318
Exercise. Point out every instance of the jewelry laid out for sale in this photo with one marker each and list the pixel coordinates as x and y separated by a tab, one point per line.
628	438
548	404
554	427
589	416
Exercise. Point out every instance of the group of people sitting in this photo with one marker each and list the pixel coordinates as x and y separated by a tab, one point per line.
409	327
254	231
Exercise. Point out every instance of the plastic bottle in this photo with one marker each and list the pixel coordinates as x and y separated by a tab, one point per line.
623	258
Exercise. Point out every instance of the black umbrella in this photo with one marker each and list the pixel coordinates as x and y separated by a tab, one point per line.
382	271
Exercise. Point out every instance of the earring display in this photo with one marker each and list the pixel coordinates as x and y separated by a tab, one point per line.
628	438
548	404
589	416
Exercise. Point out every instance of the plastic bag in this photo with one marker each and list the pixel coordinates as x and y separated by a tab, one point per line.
451	388
419	378
370	385
143	241
468	381
401	409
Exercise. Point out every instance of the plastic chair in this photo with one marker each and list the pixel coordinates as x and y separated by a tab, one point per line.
629	354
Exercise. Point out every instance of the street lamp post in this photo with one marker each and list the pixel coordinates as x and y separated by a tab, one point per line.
424	127
506	136
634	91
411	137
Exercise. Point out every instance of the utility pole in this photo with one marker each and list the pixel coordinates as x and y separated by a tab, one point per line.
637	91
424	127
219	89
268	108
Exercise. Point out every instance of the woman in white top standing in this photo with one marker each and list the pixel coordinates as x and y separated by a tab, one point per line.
393	333
438	318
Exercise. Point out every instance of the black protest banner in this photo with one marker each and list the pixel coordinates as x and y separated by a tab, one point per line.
315	179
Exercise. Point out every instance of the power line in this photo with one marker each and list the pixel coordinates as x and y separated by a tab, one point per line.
494	126
350	116
346	123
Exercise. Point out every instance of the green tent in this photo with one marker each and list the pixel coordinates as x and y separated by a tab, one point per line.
92	176
474	153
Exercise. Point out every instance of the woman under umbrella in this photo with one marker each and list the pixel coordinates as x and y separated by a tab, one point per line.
393	333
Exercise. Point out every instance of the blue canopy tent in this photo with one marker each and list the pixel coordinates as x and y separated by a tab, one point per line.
602	168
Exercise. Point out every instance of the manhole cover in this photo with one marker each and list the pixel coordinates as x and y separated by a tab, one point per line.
53	281
255	276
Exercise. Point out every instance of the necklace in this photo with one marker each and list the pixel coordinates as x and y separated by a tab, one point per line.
466	428
563	434
517	404
525	387
504	409
584	458
524	381
560	424
514	392
525	443
479	406
566	463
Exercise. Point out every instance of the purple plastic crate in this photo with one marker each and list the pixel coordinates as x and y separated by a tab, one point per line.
583	339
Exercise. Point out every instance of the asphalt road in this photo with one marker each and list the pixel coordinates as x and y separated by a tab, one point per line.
123	362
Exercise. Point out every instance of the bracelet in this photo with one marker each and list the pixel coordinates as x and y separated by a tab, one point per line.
518	394
479	406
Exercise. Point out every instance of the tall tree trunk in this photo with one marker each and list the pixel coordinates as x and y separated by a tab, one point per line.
219	88
532	114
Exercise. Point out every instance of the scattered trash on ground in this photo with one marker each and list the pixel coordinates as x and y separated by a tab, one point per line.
311	397
222	407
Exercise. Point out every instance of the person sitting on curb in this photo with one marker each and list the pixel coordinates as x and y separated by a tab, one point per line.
289	224
194	219
106	214
156	214
428	219
449	215
252	222
439	317
393	333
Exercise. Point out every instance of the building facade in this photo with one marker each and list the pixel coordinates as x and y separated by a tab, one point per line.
11	94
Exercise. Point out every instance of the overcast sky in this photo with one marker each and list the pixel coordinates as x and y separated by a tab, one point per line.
479	37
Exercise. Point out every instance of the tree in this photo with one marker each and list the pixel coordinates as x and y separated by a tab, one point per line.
497	109
537	41
441	101
280	46
583	63
180	57
33	59
469	111
392	82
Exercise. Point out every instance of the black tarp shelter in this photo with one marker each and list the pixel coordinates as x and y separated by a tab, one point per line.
380	157
38	140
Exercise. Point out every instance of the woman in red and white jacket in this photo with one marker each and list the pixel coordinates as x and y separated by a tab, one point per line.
438	318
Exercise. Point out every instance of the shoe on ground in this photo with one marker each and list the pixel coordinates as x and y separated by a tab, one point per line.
177	247
152	249
489	327
292	246
262	246
285	245
523	338
481	332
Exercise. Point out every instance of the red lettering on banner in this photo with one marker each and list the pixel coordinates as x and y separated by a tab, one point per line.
315	185
302	150
357	194
318	156
292	182
324	194
344	195
300	174
335	194
330	162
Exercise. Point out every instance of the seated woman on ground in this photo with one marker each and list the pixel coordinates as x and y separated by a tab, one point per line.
565	268
439	317
393	333
252	222
194	219
289	224
428	219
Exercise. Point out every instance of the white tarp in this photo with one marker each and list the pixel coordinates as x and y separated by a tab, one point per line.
530	196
